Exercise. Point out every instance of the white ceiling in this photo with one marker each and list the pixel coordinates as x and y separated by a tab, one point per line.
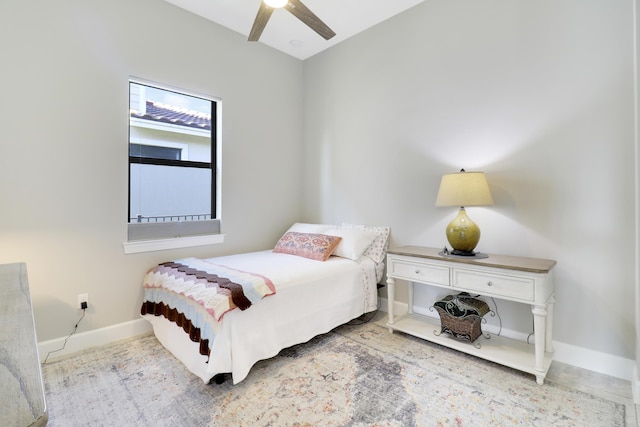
288	34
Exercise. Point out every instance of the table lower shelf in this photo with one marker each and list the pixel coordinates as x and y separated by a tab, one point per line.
504	351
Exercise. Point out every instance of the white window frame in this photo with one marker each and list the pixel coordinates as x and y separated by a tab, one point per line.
176	242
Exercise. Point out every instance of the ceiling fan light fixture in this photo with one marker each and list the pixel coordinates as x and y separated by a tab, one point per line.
297	9
276	3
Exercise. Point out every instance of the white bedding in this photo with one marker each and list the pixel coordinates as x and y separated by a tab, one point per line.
312	297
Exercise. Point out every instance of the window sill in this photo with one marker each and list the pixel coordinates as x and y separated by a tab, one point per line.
135	247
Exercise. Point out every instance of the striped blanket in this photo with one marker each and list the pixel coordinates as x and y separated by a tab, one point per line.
217	288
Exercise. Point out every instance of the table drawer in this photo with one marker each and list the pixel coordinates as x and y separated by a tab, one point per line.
496	284
419	272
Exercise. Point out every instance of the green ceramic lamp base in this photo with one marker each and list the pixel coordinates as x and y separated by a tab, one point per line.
463	234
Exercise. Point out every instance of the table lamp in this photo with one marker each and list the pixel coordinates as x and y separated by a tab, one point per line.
463	189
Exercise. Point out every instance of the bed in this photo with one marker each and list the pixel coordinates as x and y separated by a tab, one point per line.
221	315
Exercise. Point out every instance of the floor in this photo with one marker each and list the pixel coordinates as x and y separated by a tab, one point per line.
604	386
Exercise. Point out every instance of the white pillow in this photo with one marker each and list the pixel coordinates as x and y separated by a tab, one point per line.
354	241
303	227
378	249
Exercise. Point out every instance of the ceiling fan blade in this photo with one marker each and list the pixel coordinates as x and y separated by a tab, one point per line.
303	13
264	13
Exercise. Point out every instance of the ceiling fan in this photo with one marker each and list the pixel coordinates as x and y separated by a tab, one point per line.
298	10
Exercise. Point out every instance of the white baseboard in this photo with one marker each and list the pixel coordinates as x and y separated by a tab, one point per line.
602	363
56	348
592	360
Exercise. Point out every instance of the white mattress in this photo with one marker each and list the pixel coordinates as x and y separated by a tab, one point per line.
312	297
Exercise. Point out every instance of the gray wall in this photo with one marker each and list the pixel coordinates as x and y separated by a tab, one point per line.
63	152
537	94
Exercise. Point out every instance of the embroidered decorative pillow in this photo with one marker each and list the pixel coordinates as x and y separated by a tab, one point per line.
308	245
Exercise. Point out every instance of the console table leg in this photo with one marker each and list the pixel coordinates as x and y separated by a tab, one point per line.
539	330
549	336
410	298
391	293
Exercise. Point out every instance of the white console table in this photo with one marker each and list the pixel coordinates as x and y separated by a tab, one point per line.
524	280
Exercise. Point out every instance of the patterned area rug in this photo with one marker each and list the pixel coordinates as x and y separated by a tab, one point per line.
356	375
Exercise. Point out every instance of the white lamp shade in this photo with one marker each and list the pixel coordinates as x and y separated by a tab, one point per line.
464	189
276	3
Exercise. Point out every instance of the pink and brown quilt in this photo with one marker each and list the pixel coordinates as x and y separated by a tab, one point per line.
172	288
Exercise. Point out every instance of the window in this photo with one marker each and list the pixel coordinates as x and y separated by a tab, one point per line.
172	163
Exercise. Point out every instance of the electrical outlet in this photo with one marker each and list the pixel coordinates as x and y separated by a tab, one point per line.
83	298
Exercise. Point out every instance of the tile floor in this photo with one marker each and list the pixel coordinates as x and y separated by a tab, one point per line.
604	386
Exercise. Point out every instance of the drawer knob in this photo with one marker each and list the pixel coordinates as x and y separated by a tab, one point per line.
417	271
489	283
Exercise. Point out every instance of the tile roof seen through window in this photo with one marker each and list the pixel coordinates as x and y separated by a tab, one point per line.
165	113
